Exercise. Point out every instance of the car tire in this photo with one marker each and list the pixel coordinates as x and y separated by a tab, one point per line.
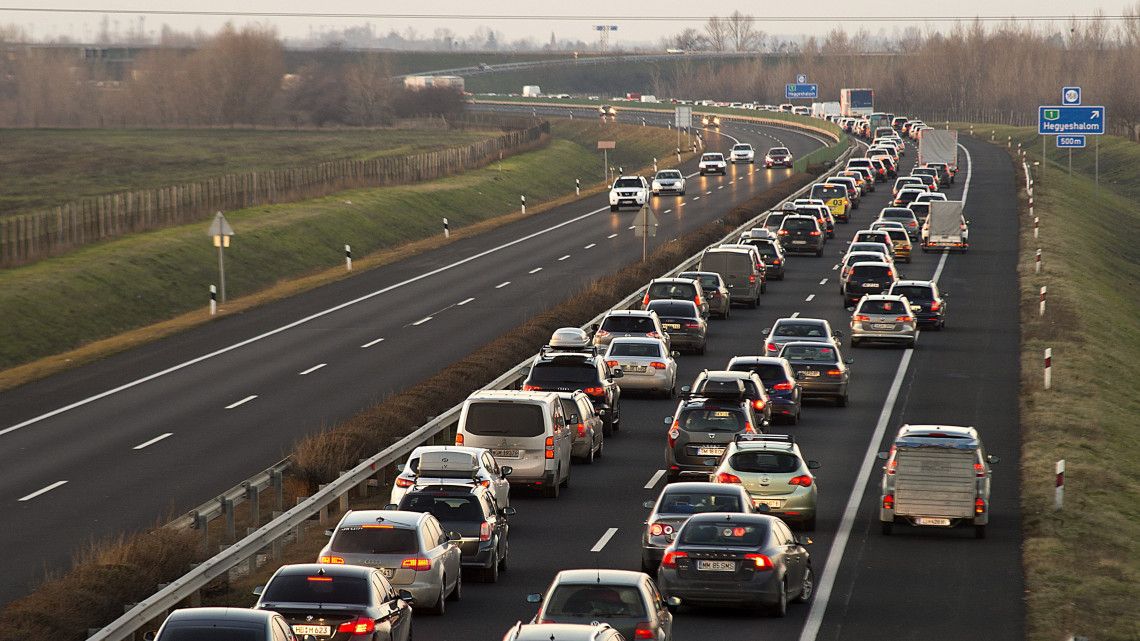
613	207
809	525
780	608
700	350
808	587
796	418
588	459
682	192
724	316
885	527
854	343
506	554
440	607
842	400
491	574
551	491
819	253
607	426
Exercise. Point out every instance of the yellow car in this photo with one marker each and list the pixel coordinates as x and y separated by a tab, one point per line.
900	240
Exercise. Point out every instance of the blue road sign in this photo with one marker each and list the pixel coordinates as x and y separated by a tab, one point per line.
1070	142
801	91
1070	95
1067	119
801	79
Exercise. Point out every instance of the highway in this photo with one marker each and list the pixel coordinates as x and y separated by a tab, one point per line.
122	443
916	584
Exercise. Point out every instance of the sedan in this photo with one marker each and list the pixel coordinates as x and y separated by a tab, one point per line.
676	503
825	372
627	600
778	156
687	327
885	318
669	181
338	603
646	365
738	560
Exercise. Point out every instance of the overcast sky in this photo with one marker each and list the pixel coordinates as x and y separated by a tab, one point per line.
518	20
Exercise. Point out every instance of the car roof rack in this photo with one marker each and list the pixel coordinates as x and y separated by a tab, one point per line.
774	438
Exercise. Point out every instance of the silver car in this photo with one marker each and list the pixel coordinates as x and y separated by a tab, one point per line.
629	601
787	330
825	372
453	464
630	322
410	549
676	503
646	365
669	181
883	317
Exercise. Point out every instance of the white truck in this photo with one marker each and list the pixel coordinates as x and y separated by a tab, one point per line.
532	91
945	227
939	145
936	476
824	109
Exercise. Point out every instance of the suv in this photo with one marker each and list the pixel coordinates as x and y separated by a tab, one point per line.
630	322
867	278
865	163
778	156
851	185
927	303
801	234
772	253
714	290
472	512
712	163
686	325
629	191
702	427
772	469
557	371
742	152
754	389
676	289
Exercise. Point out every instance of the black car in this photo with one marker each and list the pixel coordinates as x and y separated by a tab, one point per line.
687	326
773	255
702	427
802	234
585	370
754	389
927	303
867	278
338	602
783	387
471	511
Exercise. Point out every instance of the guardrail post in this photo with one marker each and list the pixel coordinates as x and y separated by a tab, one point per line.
344	497
253	495
231	524
276	478
323	513
203	525
300	529
253	557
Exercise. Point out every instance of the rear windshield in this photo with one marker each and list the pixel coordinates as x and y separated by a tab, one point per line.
672	290
302	588
212	634
768	373
913	292
508	419
628	324
826	192
765	249
374	540
764	462
627	182
820	353
711	420
901	214
897	234
724	533
799	329
445	508
682	502
871	271
595	602
799	224
649	350
709	281
882	307
666	308
774	219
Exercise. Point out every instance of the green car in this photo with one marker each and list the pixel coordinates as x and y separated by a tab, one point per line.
775	474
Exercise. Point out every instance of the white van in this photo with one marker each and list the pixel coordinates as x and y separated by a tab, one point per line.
526	430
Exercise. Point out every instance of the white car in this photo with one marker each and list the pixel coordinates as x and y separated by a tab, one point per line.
629	191
742	153
453	464
713	163
669	180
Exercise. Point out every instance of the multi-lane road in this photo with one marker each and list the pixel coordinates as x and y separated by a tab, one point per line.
121	443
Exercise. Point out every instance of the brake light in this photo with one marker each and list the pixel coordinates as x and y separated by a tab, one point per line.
979	470
673	434
725	477
581	429
802	481
752	278
403	482
748	429
762	562
783	232
357	626
419	565
531	388
697	300
657	365
834	372
890	273
758	404
670	559
861	317
595	391
659	529
459	439
484	531
904	319
331	559
601	333
645	301
889	502
770	347
775	261
979	506
935	306
783	386
813	233
612	363
691	325
654	334
550	447
643	631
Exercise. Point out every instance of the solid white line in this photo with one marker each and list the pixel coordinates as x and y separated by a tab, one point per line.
241	402
464	302
296	323
47	489
653	480
614	235
535	270
152	441
367	345
564	257
592	244
422	321
503	284
823	282
312	369
604	540
809	298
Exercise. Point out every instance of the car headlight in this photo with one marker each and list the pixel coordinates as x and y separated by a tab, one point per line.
656	185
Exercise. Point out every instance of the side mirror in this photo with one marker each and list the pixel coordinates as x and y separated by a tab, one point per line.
673	601
803	540
883	455
674	353
391	506
524	372
406	597
850	309
837	333
508	511
328	532
648	505
574	418
617	373
766	331
668	420
506	470
258	590
993	458
149	635
849	361
813	465
534	598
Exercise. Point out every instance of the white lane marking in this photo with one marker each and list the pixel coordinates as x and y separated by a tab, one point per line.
241	402
422	321
823	282
653	480
593	244
464	302
42	491
564	257
152	441
296	323
614	235
680	205
834	267
370	344
696	197
631	227
795	315
604	540
312	369
708	193
668	210
503	284
535	270
809	298
720	187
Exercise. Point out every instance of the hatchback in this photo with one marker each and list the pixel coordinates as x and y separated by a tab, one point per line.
852	257
825	372
903	182
563	632
835	197
470	511
715	292
783	387
926	301
584	421
867	278
772	253
675	289
701	428
630	322
452	464
802	234
787	330
875	236
669	181
884	318
773	471
687	326
676	503
906	196
904	216
627	600
645	364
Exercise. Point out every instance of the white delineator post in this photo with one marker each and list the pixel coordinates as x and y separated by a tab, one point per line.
1037	266
1048	367
213	300
523	203
446	229
1043	290
1036	224
577	186
348	257
1059	491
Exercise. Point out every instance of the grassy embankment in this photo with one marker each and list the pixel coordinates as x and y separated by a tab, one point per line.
1082	563
121	289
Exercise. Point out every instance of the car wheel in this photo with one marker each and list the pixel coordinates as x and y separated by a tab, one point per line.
780	608
552	489
885	527
613	207
809	525
701	350
588	459
566	481
440	605
979	531
491	574
819	253
796	418
755	302
808	587
503	559
842	400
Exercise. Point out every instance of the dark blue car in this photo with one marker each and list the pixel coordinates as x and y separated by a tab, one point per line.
783	387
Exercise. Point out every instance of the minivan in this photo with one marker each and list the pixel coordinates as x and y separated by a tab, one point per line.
738	269
526	430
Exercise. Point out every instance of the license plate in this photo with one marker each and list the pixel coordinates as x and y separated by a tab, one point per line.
505	453
717	566
882	325
388	572
769	502
315	630
932	521
710	450
633	368
811	372
871	285
671	325
916	308
799	242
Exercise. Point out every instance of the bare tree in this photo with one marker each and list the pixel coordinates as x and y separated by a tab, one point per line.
741	33
716	30
236	76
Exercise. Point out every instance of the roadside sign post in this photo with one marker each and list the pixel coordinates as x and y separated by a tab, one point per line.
1072	122
682	117
221	231
606	146
645	225
801	91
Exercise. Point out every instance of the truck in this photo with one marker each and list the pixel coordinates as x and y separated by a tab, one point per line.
856	103
824	109
531	91
936	476
939	145
880	119
945	227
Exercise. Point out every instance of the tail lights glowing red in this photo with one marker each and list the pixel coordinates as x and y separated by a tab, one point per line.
645	301
802	481
581	429
748	429
771	347
904	319
601	333
657	365
758	404
459	439
357	626
889	502
612	363
979	470
644	631
834	373
670	559
935	306
725	477
692	325
862	317
595	391
484	531
660	529
762	562
980	506
752	278
331	559
549	447
403	482
419	565
531	388
786	385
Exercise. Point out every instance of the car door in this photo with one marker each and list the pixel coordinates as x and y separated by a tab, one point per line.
500	486
795	557
590	419
663	619
394	615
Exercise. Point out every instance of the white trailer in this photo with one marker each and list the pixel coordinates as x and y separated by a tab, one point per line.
939	145
945	227
531	91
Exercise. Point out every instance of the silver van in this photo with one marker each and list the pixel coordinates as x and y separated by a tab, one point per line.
738	269
526	430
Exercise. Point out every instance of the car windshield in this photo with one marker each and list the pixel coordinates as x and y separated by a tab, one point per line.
764	462
711	157
871	271
741	147
303	588
668	175
882	307
374	539
446	508
627	182
817	353
683	502
799	329
593	600
647	350
778	151
711	420
799	224
913	292
722	534
628	324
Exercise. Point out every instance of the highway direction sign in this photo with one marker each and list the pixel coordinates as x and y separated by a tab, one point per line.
1071	142
682	117
801	91
1069	119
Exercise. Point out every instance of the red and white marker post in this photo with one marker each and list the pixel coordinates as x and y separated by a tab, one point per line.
1048	367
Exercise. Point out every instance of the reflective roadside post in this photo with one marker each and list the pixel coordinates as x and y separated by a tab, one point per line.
221	231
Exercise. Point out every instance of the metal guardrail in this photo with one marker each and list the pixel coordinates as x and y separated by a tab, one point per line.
576	62
292	523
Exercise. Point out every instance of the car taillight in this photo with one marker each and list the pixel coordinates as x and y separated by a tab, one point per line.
834	372
361	625
484	531
775	261
903	319
670	559
814	233
595	391
657	365
783	232
550	447
612	363
979	506
979	470
770	347
697	300
645	301
644	631
581	429
691	325
403	482
762	562
459	439
331	559
725	477
752	278
601	333
891	467
783	386
890	273
758	404
935	306
654	335
419	565
660	529
531	388
861	317
802	481
673	434
889	502
748	429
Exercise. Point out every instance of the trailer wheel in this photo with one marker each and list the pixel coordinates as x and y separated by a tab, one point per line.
979	531
886	527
